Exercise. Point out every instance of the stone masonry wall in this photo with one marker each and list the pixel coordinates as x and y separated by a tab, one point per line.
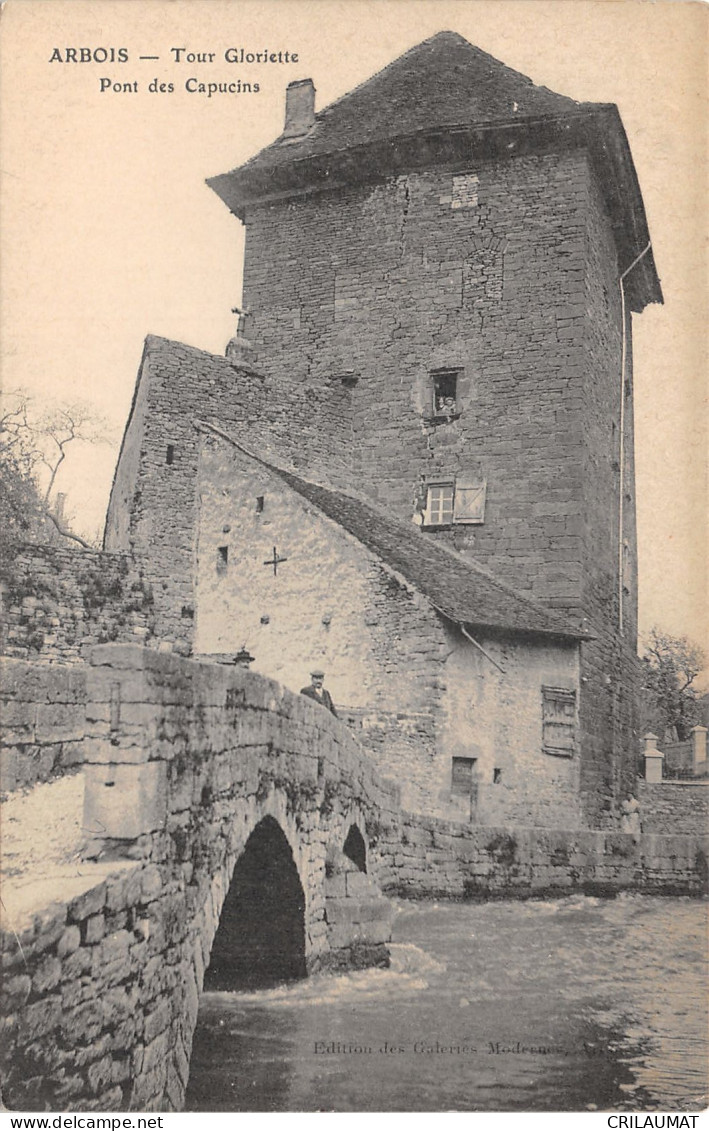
153	508
392	281
515	287
674	807
425	858
59	602
421	692
609	663
331	604
42	720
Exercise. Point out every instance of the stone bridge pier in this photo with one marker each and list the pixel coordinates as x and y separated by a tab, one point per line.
234	824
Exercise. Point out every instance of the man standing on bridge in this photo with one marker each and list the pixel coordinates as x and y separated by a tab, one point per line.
319	693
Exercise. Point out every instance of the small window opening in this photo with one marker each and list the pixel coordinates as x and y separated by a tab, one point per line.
463	776
445	393
170	454
222	558
259	504
496	775
355	848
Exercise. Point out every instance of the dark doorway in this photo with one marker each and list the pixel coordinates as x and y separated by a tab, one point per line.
260	940
355	848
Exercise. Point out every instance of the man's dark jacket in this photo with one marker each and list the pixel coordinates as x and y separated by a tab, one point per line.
324	698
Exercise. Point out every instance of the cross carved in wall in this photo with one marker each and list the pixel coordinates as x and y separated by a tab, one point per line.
275	561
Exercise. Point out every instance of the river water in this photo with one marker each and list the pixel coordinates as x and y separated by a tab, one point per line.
569	1004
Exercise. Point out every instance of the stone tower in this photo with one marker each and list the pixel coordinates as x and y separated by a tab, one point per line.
460	251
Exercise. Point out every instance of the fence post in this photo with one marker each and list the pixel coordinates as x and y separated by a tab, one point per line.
699	746
653	759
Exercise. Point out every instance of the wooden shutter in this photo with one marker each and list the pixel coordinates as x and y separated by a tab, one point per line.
559	721
470	500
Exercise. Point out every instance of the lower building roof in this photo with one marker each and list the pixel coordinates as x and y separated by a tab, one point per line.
462	590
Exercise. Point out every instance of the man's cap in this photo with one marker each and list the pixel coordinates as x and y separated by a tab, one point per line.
317	671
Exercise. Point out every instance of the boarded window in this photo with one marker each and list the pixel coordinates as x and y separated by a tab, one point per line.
465	191
470	500
348	292
439	504
463	780
559	721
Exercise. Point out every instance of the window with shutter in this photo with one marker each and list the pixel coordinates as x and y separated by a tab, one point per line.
559	721
456	501
463	779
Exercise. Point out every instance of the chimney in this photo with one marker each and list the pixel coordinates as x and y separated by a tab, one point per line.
300	108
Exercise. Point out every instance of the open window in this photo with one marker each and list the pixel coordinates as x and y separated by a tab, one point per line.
446	394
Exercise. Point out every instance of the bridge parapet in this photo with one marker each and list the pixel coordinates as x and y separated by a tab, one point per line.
186	766
169	737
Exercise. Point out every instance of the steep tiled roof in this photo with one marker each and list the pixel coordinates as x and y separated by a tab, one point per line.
462	590
446	101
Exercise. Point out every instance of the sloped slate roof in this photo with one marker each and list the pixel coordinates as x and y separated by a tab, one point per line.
446	101
462	590
444	81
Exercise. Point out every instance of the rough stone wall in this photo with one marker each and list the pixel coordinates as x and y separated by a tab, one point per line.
59	602
427	857
42	722
359	919
153	507
393	281
331	604
515	284
674	807
419	692
496	717
609	663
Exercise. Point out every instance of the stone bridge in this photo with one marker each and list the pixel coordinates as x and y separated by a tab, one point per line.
231	826
236	834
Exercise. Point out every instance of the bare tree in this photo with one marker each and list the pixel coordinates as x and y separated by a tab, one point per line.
34	444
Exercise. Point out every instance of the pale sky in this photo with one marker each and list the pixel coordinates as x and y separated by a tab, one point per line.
109	232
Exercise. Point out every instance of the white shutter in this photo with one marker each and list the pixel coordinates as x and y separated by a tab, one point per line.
469	500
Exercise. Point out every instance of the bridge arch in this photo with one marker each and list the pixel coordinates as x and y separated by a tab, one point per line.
260	937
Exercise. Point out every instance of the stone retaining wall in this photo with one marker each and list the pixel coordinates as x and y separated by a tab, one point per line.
678	807
423	858
58	602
